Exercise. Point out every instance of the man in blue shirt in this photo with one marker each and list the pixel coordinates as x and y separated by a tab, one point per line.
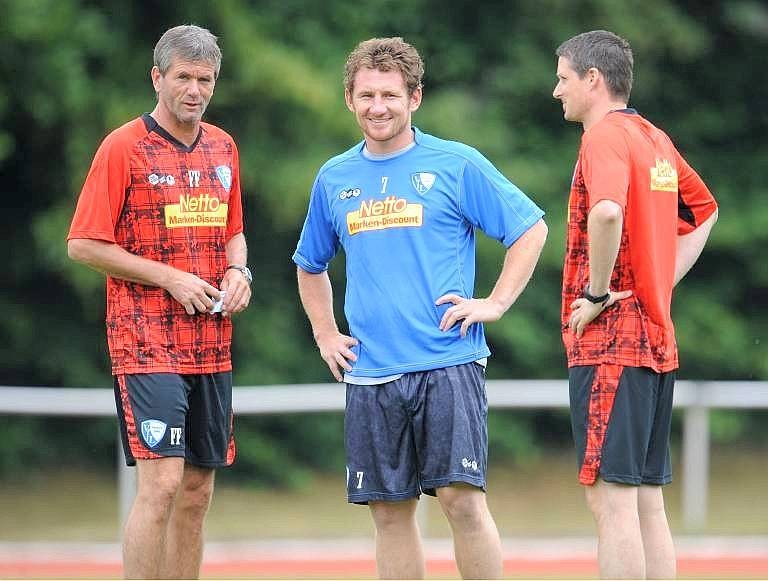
404	206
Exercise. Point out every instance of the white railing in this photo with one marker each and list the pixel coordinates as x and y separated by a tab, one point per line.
696	399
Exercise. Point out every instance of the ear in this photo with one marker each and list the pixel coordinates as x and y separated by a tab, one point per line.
593	75
415	99
155	75
348	100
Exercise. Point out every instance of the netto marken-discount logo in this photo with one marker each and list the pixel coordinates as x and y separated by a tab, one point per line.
390	212
199	210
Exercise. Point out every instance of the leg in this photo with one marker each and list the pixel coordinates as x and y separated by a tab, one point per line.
657	539
399	554
184	545
620	551
475	537
144	538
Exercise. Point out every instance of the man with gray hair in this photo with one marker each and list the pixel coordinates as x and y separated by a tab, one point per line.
161	215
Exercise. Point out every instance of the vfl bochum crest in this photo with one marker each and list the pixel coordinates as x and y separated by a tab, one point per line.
225	176
153	432
422	181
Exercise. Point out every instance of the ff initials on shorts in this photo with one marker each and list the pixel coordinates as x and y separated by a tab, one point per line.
168	414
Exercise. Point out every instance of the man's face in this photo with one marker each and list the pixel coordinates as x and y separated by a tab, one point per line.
573	92
383	108
185	89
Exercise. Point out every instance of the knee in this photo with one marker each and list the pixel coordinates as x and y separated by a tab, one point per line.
463	507
608	501
195	496
160	493
393	515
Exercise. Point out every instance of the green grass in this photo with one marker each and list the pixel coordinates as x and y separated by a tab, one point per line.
539	498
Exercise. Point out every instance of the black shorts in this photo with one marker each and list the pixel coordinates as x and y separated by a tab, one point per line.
167	414
621	419
418	433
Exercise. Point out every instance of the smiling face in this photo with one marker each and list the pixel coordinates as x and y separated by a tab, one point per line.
382	108
573	91
183	93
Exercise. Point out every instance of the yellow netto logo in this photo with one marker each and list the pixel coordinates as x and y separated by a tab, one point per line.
390	212
193	211
663	177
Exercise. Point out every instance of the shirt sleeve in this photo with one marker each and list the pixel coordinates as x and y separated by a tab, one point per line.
695	203
489	201
235	207
605	166
318	242
103	195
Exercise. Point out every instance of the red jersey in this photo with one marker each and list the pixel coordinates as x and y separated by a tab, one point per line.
164	201
626	159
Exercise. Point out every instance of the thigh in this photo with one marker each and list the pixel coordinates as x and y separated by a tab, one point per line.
151	409
209	425
658	464
634	426
450	424
381	463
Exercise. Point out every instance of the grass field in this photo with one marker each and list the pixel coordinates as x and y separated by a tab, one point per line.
540	498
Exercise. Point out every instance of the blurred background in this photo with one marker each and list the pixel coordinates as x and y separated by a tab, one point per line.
73	70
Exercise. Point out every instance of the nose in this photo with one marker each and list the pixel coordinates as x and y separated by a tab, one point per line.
378	106
193	87
556	91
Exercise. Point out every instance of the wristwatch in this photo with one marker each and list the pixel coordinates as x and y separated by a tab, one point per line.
596	300
246	272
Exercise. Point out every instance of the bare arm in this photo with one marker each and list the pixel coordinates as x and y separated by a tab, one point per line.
689	247
519	262
234	282
317	298
191	291
604	227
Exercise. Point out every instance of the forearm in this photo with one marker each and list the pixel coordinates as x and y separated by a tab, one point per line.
317	298
519	263
604	226
237	250
117	262
689	247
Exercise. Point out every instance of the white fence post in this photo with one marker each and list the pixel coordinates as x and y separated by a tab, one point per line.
695	491
126	486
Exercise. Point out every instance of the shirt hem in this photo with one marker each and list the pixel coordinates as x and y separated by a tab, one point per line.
182	370
422	366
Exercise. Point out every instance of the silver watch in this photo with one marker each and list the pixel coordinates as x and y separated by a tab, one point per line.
246	272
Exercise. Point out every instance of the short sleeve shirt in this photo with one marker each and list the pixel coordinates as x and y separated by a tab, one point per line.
161	200
407	225
626	159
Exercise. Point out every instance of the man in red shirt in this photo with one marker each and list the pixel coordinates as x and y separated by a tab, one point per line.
160	214
638	218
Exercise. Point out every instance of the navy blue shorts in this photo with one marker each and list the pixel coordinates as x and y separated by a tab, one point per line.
420	432
621	419
167	414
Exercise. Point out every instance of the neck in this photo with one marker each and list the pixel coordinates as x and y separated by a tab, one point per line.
597	113
186	133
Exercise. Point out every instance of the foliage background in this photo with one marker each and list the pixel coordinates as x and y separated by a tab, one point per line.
72	70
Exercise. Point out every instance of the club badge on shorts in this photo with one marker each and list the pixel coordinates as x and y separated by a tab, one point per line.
153	432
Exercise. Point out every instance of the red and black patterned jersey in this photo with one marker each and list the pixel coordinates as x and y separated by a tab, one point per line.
164	201
626	159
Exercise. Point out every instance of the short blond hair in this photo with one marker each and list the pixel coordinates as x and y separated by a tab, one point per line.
385	54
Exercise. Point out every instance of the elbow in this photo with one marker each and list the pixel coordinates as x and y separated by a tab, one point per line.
75	250
607	213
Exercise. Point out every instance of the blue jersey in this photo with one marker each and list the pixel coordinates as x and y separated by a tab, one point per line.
407	225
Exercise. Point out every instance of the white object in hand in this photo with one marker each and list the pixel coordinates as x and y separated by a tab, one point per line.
216	308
